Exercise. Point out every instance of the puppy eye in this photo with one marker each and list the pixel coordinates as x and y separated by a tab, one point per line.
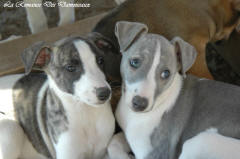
135	63
71	68
100	60
165	74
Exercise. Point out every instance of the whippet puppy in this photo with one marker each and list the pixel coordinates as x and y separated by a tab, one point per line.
197	22
64	113
166	114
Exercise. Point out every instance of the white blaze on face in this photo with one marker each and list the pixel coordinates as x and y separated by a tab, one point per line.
146	87
92	78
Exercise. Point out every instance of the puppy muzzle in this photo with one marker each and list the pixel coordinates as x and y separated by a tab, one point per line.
139	103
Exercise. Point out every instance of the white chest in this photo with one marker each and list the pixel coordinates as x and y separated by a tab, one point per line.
138	128
90	129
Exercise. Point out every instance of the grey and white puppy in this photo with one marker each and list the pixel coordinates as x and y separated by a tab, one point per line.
63	114
166	114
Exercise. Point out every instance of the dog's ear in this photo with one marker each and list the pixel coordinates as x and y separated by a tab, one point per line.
128	32
36	56
102	42
186	54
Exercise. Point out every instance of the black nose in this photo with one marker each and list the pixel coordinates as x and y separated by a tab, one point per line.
103	93
139	103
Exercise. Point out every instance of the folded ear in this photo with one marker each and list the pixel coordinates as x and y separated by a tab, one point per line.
128	32
186	54
36	56
102	42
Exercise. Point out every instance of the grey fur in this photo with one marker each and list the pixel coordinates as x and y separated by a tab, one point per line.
143	46
65	54
25	99
186	52
26	91
201	104
145	55
59	60
127	32
56	117
30	55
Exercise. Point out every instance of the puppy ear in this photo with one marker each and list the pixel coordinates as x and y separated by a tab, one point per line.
128	32
102	42
36	56
186	54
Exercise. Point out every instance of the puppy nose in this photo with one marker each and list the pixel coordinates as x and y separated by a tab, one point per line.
139	103
103	93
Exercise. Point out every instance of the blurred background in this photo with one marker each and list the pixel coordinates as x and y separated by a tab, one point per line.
13	22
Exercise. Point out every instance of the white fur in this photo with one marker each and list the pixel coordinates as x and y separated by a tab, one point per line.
6	104
11	142
139	126
40	120
119	147
14	143
211	145
145	87
89	130
92	78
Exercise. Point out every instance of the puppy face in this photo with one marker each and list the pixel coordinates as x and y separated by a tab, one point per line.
75	67
148	69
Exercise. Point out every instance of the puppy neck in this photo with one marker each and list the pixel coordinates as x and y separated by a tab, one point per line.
66	98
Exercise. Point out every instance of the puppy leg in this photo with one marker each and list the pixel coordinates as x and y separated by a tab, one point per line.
11	139
37	20
68	146
119	148
29	152
67	14
13	142
211	145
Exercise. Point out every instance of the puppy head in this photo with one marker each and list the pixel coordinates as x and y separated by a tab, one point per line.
150	64
112	56
73	68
